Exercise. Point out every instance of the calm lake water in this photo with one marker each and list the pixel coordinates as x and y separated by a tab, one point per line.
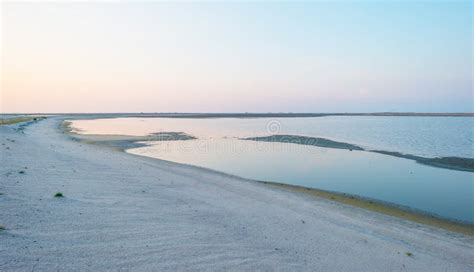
447	193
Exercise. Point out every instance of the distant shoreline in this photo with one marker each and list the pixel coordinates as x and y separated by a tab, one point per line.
246	115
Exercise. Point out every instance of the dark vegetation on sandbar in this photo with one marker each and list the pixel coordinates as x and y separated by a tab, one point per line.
304	140
456	163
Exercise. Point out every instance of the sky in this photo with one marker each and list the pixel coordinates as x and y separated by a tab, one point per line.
348	56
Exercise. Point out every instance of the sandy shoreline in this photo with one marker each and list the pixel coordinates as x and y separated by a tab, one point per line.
125	142
122	211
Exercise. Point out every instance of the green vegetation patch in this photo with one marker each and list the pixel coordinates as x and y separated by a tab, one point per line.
58	194
15	120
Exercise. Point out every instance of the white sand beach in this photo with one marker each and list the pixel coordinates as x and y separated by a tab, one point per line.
131	213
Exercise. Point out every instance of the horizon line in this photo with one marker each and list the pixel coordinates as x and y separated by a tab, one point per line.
383	113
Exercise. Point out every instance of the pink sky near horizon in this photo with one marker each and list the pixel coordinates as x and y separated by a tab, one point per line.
162	57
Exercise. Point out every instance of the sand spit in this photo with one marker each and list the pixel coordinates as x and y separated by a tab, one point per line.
304	140
126	212
455	163
124	142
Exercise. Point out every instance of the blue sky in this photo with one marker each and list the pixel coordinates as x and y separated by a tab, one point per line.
237	57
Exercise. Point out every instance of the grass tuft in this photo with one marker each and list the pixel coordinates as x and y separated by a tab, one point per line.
2	227
58	194
409	254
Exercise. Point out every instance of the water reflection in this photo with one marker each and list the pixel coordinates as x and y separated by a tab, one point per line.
444	192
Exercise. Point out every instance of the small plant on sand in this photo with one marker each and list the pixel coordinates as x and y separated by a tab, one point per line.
409	254
58	194
2	228
21	172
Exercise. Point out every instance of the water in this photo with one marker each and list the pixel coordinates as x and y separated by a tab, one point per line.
447	193
424	136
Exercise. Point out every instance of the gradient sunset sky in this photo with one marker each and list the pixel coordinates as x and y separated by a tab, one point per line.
237	57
